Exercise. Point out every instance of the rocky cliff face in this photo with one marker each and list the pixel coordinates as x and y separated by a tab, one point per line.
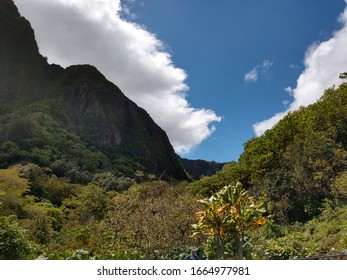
79	99
18	49
21	65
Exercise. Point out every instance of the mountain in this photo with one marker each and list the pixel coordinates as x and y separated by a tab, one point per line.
71	118
199	168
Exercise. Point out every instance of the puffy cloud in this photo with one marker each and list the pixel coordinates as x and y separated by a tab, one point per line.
289	90
253	75
323	64
267	63
94	32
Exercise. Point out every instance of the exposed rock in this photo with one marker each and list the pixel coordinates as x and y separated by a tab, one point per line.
78	98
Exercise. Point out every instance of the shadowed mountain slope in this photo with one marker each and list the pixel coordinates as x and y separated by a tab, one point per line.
48	113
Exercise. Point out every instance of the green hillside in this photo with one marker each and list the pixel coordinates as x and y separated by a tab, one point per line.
87	174
295	164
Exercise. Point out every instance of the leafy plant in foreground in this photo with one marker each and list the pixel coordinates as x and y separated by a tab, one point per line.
226	221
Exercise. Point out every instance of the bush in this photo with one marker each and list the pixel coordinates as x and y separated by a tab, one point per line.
14	241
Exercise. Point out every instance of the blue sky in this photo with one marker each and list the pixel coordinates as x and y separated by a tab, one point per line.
224	65
217	42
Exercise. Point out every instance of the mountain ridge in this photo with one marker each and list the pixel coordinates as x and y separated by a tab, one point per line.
198	168
78	100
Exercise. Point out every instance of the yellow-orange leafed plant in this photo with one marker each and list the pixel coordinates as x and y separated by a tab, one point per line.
225	221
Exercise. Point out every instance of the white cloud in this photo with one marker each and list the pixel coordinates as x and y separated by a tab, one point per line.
289	90
94	32
253	75
323	63
127	6
285	102
267	64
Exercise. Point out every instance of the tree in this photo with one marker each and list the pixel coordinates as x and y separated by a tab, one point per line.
343	76
339	190
150	220
14	193
89	205
226	220
109	182
14	242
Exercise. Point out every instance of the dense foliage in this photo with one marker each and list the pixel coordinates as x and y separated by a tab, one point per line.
295	164
65	200
42	215
81	169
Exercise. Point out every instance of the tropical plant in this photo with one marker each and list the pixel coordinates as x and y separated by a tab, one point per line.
226	220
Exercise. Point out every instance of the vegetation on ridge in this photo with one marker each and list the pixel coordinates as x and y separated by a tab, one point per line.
81	171
295	194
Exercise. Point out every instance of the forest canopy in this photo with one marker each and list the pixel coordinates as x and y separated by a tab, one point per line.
285	198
